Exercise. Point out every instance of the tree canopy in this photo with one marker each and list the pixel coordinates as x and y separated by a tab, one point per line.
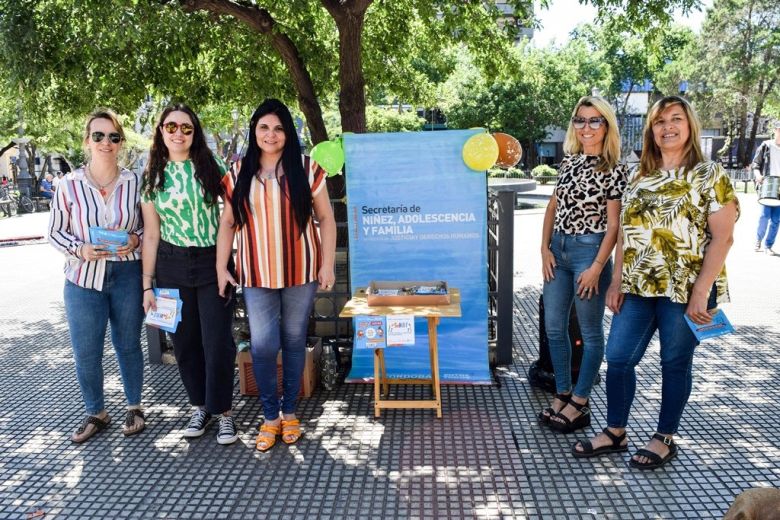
61	57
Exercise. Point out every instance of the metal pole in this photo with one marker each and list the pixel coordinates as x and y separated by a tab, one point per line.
505	305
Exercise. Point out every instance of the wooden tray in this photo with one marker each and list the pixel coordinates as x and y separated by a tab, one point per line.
374	299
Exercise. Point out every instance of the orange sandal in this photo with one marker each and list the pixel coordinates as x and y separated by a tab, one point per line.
291	428
265	442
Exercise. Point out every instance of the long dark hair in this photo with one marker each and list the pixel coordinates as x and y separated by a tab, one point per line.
299	191
207	170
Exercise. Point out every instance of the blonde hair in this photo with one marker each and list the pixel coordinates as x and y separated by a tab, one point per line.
650	160
610	149
102	113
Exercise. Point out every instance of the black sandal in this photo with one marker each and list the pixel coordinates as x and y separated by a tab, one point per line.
568	426
544	415
587	446
656	461
130	422
98	424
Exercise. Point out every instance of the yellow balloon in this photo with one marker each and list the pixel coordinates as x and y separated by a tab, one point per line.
480	152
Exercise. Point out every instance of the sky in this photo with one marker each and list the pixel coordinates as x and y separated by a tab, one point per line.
563	15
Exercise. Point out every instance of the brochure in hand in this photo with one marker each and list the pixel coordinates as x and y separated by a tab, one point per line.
719	326
168	313
111	238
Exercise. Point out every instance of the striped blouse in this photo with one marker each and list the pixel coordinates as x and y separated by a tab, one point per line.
77	205
272	253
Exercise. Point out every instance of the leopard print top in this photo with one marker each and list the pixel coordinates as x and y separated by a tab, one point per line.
582	193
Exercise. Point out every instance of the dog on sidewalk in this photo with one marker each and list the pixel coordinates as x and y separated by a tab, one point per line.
755	504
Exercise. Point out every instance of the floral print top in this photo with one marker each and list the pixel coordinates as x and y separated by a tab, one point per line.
664	224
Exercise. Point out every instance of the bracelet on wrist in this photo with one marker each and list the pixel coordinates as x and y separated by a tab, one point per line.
598	261
150	276
149	289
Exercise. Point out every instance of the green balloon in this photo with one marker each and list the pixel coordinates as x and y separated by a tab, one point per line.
329	155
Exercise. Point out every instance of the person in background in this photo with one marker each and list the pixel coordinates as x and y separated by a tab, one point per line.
46	188
282	257
766	163
677	226
182	187
578	235
101	285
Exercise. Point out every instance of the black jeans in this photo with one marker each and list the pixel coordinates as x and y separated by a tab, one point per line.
203	342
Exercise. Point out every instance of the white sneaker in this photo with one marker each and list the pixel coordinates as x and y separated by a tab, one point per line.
197	425
768	251
758	247
227	430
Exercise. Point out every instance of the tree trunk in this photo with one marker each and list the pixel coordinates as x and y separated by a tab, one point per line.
261	21
7	147
46	166
763	92
220	145
530	153
349	17
352	85
31	153
742	130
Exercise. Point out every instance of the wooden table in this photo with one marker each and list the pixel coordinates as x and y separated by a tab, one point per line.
358	306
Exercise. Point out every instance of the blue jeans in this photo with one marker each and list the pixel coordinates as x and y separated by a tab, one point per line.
573	255
768	213
89	312
632	329
279	318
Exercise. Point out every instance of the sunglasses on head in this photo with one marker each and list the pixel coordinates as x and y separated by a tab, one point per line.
114	137
171	127
594	122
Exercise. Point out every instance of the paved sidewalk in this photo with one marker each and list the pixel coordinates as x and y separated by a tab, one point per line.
487	458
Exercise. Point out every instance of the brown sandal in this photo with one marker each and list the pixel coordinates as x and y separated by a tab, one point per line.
129	427
291	428
265	442
89	427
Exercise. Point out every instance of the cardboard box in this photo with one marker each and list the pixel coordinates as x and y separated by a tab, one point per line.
374	299
311	370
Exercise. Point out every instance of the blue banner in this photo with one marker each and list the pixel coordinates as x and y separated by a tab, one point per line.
417	212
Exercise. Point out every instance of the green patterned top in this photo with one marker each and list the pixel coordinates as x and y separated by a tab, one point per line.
185	218
664	224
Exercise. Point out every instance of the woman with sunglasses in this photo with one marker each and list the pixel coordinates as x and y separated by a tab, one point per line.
103	283
676	228
281	257
578	234
182	187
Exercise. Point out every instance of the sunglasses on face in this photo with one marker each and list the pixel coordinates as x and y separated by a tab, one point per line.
171	127
114	137
594	122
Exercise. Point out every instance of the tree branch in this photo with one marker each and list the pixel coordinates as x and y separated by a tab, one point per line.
260	20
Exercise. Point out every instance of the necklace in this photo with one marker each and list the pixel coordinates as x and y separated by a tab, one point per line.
102	188
267	174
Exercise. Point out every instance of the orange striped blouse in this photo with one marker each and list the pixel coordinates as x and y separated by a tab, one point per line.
272	253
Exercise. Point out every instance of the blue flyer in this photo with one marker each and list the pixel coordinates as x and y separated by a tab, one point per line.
111	238
370	332
719	326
